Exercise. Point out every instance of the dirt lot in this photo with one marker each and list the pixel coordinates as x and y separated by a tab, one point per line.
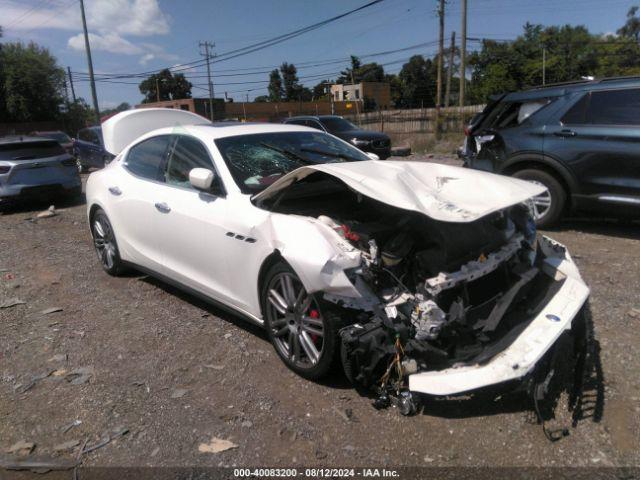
175	372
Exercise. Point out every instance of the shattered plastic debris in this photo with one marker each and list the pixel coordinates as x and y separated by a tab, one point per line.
179	393
59	357
216	445
35	379
69	426
49	212
12	302
79	375
63	447
21	447
51	310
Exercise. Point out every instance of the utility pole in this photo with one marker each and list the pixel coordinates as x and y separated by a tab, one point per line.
208	56
88	49
73	92
452	48
440	54
440	62
463	52
544	66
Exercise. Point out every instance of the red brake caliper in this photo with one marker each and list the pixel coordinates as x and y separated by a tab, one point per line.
314	314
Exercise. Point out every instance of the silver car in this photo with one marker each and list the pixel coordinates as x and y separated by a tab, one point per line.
36	167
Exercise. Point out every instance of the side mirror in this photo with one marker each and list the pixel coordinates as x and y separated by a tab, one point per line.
201	178
372	156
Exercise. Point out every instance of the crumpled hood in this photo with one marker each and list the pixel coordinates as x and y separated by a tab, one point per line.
442	192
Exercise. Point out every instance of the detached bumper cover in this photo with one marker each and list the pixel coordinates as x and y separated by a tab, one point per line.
529	347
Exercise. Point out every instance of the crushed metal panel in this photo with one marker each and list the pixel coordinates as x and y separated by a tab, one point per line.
441	192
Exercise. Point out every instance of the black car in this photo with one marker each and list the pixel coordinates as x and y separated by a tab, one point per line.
581	140
365	140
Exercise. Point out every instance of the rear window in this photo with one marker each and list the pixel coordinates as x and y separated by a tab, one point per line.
30	150
512	114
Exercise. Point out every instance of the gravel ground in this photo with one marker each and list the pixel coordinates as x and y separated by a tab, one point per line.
133	355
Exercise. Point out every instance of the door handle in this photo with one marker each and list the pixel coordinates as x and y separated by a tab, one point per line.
163	207
565	133
115	191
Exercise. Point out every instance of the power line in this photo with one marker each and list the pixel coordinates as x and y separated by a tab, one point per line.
256	46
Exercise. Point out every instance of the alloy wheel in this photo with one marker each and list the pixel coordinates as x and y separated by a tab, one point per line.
104	241
295	320
540	203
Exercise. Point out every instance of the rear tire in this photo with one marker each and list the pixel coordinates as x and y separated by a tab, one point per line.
302	329
548	208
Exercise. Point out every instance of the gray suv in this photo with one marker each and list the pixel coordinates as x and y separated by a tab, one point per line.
581	140
36	167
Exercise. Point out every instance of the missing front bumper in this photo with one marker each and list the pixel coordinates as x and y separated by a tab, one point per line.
520	357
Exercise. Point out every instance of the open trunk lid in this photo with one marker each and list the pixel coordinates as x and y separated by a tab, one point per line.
123	128
442	192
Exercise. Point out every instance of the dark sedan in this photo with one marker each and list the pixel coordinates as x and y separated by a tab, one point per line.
365	140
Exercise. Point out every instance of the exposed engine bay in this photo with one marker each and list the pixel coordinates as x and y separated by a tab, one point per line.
434	294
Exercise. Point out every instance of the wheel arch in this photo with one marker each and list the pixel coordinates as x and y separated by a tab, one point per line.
92	211
271	259
545	163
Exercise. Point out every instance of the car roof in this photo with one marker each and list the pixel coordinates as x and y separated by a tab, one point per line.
8	139
313	117
559	89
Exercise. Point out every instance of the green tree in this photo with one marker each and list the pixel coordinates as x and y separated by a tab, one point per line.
164	85
32	83
120	108
368	72
631	29
77	115
417	82
261	99
320	90
290	83
275	89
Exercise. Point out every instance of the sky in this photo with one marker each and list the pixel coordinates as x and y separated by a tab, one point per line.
140	36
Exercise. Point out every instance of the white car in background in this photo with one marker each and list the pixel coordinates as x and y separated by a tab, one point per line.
419	277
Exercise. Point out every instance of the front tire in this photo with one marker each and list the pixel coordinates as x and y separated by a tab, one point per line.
303	331
104	241
549	206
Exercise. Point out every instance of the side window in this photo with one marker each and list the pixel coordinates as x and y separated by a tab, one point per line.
92	137
314	124
296	122
82	135
614	107
577	114
145	159
187	153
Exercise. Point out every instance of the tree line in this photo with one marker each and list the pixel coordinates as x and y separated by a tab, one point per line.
32	84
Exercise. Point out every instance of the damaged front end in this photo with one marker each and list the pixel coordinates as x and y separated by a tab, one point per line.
441	307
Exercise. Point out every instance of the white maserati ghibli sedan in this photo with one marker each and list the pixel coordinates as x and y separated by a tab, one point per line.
416	277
